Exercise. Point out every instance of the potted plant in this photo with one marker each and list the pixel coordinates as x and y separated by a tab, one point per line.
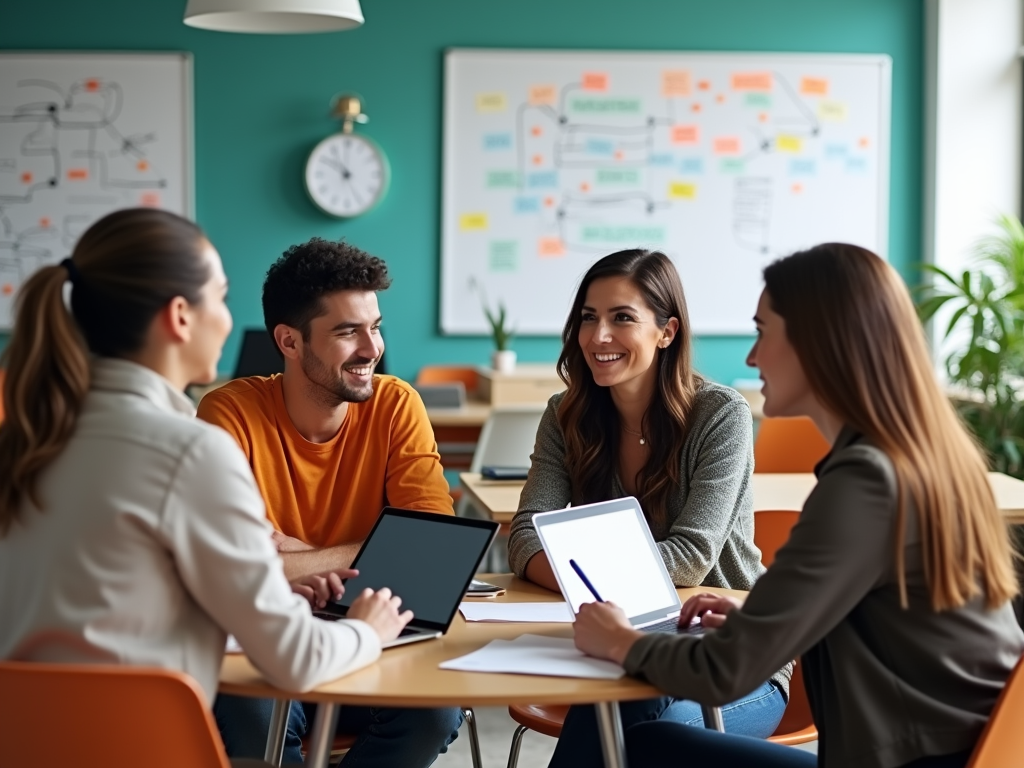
503	359
987	369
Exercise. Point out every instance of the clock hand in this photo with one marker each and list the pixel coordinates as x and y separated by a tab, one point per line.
337	165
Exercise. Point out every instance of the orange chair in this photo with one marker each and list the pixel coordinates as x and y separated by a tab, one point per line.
444	374
788	445
1000	742
114	716
771	531
455	444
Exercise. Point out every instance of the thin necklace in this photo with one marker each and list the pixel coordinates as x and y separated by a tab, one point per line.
643	440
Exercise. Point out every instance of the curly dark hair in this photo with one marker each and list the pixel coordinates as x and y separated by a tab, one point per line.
306	273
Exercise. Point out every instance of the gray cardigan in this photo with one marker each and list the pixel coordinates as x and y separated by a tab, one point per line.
711	539
886	685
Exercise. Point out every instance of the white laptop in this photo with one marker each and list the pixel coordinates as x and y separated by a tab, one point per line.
611	543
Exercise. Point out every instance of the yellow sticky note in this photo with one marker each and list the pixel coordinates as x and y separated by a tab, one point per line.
788	143
682	190
834	111
491	102
470	222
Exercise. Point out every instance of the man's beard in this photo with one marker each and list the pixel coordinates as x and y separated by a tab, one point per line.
329	388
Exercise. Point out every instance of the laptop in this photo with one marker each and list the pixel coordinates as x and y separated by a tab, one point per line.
426	559
450	394
612	544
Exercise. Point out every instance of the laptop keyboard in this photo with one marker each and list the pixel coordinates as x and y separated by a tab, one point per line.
671	625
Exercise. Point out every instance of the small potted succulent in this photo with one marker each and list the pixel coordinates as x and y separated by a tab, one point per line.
503	359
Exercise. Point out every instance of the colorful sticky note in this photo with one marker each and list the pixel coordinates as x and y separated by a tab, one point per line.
682	190
760	100
814	86
497	141
660	159
788	143
527	204
78	174
618	176
595	81
542	180
835	151
599	147
704	85
26	177
732	165
92	84
142	165
833	111
470	222
543	95
502	179
150	200
550	247
691	165
7	289
491	102
685	134
675	82
504	255
752	81
856	164
802	167
726	145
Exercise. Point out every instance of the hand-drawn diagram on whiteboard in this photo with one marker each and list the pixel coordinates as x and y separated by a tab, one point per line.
80	136
723	161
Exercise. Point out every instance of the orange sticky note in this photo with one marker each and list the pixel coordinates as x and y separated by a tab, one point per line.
863	142
543	94
26	177
763	117
798	188
142	165
685	134
550	247
92	84
584	187
595	81
696	107
536	131
8	289
720	98
150	200
704	85
752	81
45	222
727	145
619	154
538	159
814	86
78	174
675	82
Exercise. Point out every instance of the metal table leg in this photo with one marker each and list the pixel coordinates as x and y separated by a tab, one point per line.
324	724
275	736
713	718
609	726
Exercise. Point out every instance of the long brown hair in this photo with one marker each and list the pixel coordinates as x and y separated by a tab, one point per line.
853	326
123	270
587	415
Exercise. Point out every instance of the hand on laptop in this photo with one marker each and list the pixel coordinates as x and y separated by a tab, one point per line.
380	610
711	608
602	630
321	587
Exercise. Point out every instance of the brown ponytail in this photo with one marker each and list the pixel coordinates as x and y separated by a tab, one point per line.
124	269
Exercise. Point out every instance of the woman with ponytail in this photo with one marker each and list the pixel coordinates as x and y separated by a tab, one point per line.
894	587
130	532
637	420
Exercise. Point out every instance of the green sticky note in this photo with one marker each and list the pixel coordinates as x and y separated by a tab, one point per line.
502	179
504	255
618	176
758	100
732	165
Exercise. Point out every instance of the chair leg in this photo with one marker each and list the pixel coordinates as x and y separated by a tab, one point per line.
474	737
517	742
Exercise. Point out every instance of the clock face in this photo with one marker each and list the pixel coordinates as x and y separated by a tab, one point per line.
346	175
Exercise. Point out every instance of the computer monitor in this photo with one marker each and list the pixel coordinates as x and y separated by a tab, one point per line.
258	355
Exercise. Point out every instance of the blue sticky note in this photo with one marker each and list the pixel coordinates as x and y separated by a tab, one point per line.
497	141
599	147
542	180
857	164
527	204
802	167
662	159
691	165
835	150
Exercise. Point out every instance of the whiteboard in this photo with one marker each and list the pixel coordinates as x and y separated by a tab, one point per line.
724	161
82	135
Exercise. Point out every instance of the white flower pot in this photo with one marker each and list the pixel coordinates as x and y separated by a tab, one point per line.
503	361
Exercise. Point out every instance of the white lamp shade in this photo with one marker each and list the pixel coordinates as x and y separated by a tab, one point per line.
274	16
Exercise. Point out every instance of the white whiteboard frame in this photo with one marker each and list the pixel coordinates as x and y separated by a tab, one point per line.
182	61
450	148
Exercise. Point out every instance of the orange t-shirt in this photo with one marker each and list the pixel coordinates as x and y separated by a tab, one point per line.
331	493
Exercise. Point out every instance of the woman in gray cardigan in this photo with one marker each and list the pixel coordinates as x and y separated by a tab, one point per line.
636	420
894	586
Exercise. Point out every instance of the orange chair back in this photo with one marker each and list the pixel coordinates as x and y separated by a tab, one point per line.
444	374
771	531
100	715
1000	742
797	725
788	445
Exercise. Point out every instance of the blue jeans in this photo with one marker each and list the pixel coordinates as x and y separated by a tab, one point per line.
386	736
757	715
659	745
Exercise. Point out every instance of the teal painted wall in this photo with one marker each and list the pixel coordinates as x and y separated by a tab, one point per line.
261	104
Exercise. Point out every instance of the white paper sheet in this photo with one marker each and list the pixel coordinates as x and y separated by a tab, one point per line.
535	655
522	612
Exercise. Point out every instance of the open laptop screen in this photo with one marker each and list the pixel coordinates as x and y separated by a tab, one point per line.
426	559
613	546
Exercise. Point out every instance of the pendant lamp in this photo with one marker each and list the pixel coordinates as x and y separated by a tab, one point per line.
274	16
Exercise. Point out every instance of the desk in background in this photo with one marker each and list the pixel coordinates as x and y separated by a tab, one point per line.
408	676
500	498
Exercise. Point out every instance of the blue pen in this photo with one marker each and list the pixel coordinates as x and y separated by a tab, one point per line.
583	576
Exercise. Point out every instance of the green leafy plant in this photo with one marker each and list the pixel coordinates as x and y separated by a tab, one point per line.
987	370
501	331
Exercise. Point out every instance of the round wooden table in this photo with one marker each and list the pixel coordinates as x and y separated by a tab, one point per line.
409	676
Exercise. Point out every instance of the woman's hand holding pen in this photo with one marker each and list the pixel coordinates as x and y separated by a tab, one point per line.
602	630
711	608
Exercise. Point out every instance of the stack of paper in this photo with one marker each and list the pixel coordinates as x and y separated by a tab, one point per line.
521	612
536	655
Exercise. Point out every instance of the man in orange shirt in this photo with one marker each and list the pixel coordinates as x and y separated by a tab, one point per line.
330	443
